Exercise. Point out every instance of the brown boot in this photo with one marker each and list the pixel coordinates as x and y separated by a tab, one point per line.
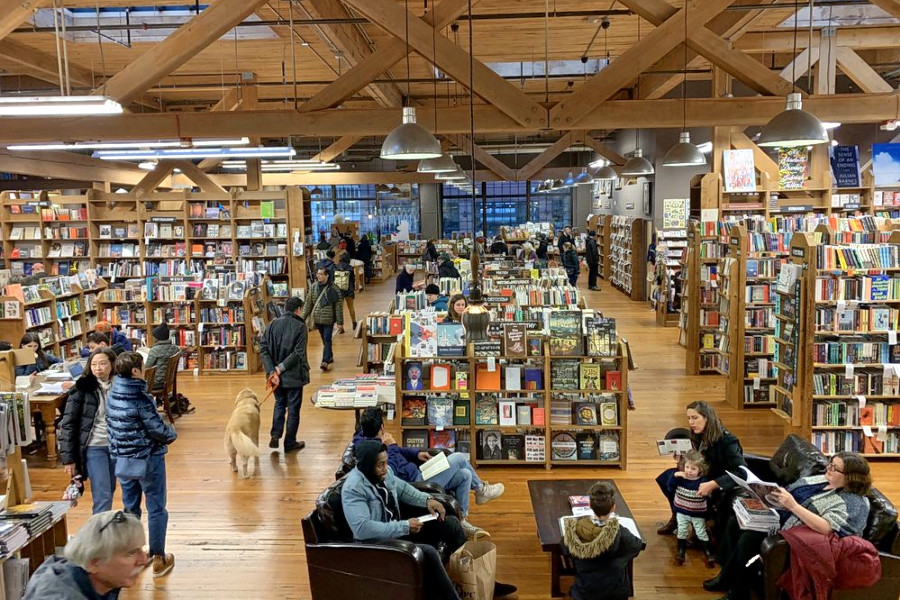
669	527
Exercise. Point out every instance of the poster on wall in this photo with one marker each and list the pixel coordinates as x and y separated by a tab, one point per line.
739	173
886	164
845	166
793	166
675	212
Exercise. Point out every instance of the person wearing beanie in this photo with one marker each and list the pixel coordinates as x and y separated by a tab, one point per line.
592	257
160	353
434	297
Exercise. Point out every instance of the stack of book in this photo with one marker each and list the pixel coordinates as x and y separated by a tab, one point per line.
753	515
12	537
36	517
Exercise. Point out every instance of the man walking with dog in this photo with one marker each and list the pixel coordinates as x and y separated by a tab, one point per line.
283	351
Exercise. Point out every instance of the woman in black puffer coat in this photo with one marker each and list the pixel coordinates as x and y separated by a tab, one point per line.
83	442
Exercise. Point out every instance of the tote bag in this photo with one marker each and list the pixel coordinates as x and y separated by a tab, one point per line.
473	569
130	468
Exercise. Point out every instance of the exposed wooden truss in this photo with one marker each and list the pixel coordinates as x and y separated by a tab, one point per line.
14	12
66	165
464	143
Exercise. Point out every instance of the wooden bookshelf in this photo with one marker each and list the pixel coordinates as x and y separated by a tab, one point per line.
601	224
671	249
472	397
700	308
383	262
627	256
821	392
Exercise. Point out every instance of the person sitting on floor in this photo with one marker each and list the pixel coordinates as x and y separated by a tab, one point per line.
106	555
458	480
162	350
601	549
435	299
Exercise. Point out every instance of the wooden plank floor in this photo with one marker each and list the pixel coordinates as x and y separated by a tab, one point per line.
237	538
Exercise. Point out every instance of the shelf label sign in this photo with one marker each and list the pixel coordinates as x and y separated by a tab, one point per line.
798	252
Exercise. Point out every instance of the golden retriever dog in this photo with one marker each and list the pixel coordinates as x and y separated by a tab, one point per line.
242	432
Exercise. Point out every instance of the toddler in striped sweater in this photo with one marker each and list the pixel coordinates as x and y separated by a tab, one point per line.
690	507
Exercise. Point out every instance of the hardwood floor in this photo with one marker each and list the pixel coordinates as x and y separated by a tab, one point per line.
236	538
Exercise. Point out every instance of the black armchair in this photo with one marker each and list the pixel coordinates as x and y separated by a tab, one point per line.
340	568
798	458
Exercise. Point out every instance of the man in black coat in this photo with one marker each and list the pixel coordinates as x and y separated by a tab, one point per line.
283	352
592	256
446	268
565	236
364	253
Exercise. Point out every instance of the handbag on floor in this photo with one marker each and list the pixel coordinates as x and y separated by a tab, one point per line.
473	570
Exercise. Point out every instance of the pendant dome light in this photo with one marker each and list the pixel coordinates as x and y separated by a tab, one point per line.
794	127
454	176
684	153
441	164
569	181
583	178
606	173
637	165
410	141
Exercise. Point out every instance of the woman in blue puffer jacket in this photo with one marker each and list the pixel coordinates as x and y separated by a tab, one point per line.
136	431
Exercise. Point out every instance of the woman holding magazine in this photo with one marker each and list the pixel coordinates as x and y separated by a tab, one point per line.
835	501
719	447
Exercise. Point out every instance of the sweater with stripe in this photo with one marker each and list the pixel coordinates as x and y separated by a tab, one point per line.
687	499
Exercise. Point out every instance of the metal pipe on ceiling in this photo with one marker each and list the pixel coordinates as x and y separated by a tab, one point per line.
318	22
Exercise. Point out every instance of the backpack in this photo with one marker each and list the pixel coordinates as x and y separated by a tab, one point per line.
342	280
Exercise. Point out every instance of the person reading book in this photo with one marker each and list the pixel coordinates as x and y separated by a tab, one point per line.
42	358
722	452
690	507
459	479
600	548
833	502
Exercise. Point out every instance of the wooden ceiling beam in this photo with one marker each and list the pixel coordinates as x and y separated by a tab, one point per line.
858	38
860	72
637	59
891	7
604	150
798	67
154	178
761	160
200	178
41	65
14	12
382	59
68	165
543	159
490	162
338	147
229	102
452	59
701	112
353	47
185	43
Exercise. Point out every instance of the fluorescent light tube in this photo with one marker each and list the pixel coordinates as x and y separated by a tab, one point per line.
137	145
196	153
44	106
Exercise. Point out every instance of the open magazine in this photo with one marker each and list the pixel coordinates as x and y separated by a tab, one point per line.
759	489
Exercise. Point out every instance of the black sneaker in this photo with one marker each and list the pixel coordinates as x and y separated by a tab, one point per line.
324	366
503	589
294	447
273	442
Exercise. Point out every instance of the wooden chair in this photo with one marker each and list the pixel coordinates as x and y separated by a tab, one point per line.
136	343
167	393
149	376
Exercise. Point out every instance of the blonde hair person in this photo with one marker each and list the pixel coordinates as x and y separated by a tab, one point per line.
105	556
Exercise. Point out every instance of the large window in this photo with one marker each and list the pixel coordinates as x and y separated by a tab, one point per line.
379	213
501	203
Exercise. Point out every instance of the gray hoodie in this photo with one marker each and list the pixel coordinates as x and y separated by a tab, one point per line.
59	579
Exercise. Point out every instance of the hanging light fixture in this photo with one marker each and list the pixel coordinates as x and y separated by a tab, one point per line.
637	165
410	141
684	153
58	106
316	191
569	181
441	164
382	188
557	184
606	173
583	178
395	190
793	126
456	175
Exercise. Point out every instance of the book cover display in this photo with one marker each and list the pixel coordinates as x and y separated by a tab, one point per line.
740	175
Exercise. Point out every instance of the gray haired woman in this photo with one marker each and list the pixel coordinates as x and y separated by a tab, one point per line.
105	556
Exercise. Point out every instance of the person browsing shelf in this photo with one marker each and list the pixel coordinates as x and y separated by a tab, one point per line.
42	358
592	258
721	450
456	308
565	236
434	298
446	268
405	279
83	437
570	262
499	246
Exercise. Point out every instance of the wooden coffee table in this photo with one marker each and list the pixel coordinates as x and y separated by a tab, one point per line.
550	501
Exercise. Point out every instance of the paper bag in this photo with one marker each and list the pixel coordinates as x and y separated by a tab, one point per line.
472	568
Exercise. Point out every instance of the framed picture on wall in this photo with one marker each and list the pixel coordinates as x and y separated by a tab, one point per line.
648	198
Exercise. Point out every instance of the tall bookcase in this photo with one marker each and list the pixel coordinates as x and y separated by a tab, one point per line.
837	307
747	323
700	307
601	225
627	256
671	250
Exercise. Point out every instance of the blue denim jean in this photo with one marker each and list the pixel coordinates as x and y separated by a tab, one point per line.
153	486
326	331
101	472
458	480
287	400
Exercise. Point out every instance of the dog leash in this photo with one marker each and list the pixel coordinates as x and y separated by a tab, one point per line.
271	386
